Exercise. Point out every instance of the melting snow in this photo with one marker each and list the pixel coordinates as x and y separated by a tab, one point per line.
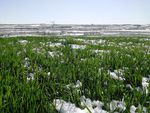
77	85
54	44
89	106
26	62
145	84
117	105
100	51
93	42
23	42
134	109
75	46
53	54
38	50
30	77
117	74
93	106
66	107
48	75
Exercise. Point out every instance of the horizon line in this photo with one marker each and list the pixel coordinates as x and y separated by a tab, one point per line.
71	24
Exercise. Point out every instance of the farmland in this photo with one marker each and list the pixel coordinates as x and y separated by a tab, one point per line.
12	30
75	74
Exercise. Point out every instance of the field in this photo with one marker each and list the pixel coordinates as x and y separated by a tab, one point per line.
75	74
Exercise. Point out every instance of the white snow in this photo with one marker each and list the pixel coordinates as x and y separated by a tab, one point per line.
132	109
48	73
80	39
77	85
75	46
66	107
26	62
50	53
145	84
23	42
115	104
88	106
93	106
93	42
54	53
30	76
100	51
113	75
116	75
119	72
26	59
54	44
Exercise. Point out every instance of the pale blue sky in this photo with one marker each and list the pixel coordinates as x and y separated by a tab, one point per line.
75	11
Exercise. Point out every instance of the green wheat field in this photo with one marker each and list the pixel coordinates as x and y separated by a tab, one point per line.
40	74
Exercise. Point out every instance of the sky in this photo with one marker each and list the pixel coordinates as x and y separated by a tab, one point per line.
75	11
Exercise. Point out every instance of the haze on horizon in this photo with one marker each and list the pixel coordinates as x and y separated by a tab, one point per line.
75	11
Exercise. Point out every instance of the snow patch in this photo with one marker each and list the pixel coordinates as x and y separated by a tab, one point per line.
77	85
75	46
100	51
26	62
66	107
54	53
134	109
117	74
145	84
93	42
30	76
117	105
50	44
23	42
88	106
